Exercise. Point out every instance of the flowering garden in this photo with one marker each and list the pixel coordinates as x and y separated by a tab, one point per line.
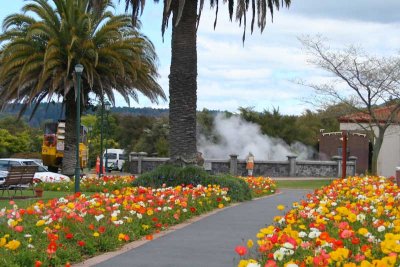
352	222
69	229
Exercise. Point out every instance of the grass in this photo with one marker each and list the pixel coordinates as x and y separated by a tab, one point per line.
303	184
23	203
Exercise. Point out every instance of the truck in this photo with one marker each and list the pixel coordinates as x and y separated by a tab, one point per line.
53	145
115	159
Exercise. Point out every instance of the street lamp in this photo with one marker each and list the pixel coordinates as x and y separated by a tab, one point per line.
107	106
78	73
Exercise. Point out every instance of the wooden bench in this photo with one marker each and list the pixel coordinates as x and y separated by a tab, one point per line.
18	178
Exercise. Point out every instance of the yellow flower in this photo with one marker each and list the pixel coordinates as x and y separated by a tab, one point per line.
3	241
220	206
150	212
250	243
243	263
365	263
121	237
96	234
13	245
280	207
363	231
40	223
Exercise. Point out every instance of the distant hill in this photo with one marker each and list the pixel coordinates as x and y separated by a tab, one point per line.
55	112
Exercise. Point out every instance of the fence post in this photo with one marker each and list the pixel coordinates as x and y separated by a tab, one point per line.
292	165
233	169
141	155
338	159
353	159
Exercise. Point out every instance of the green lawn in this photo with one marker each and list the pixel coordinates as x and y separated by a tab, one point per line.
306	184
23	203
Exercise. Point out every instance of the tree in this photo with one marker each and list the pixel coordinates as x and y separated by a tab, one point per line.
364	85
183	70
40	51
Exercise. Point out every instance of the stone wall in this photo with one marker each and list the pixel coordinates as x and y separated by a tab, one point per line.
235	166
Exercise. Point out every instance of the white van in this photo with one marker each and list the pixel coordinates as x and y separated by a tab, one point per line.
115	159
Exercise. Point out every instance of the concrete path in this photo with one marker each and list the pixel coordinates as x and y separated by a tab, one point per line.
210	241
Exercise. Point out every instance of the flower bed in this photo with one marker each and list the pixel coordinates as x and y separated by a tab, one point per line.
92	184
352	222
260	186
70	229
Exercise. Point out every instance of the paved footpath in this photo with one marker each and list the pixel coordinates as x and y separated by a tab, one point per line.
209	242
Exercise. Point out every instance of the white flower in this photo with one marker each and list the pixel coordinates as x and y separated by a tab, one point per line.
292	265
302	234
381	228
288	245
99	217
278	255
140	216
30	246
27	235
118	222
361	217
314	234
253	264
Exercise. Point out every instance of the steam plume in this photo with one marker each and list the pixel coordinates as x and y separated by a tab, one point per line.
237	136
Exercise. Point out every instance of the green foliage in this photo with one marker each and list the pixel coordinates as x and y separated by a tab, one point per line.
171	175
304	128
154	140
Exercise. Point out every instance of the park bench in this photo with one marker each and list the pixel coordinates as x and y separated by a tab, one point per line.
18	178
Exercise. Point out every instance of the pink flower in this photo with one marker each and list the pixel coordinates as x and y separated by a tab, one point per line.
19	228
346	234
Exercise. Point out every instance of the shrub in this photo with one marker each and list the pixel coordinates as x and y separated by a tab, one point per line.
171	175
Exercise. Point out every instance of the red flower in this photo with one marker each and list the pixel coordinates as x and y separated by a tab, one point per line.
355	241
38	263
69	236
149	237
270	263
52	248
241	250
193	209
81	243
102	229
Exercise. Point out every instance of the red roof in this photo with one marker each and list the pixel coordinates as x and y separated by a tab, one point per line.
382	115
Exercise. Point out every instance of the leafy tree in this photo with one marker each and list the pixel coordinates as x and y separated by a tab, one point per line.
153	141
364	85
183	70
42	46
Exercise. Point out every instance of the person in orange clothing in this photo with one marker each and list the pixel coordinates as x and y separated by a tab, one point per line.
250	164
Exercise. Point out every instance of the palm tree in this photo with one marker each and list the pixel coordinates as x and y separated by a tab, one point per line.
39	53
183	69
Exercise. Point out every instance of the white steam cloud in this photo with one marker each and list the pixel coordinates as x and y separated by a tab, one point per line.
237	136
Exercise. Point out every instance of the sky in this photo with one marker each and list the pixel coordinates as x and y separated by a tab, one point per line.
260	72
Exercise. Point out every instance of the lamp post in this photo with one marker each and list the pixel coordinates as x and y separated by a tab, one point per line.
90	129
107	106
78	73
101	138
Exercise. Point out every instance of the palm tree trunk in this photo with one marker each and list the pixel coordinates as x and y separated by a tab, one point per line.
183	86
69	160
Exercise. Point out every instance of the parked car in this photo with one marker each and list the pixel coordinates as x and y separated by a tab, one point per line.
42	174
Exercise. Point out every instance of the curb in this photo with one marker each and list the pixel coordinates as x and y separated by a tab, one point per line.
140	242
